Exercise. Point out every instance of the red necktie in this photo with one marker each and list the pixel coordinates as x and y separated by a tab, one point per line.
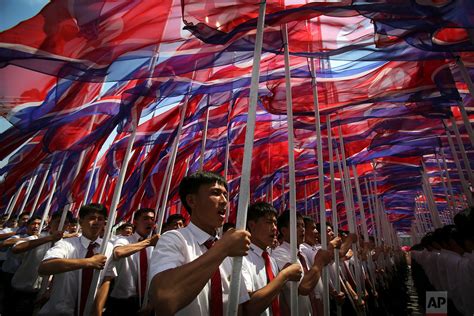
270	277
143	272
312	297
215	303
87	274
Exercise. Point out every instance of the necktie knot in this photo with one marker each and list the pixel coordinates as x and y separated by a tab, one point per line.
92	245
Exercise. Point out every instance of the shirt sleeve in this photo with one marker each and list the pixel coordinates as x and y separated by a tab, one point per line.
247	275
169	253
122	241
58	251
281	257
111	268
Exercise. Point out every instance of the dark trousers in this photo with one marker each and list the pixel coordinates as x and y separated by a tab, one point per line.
24	303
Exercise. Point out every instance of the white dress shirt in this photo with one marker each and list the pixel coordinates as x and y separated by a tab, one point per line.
66	286
254	273
128	269
26	277
179	247
12	261
466	282
282	255
309	253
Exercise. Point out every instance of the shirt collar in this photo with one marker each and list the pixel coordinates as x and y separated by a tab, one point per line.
200	235
86	241
136	236
256	249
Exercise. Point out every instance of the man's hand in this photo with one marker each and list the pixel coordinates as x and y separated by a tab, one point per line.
154	239
70	235
323	257
336	242
235	242
292	272
353	237
339	297
97	261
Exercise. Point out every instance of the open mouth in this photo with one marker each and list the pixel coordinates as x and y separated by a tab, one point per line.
222	213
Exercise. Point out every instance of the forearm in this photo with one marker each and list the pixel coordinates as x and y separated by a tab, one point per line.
10	242
128	250
55	266
30	244
261	299
346	245
101	297
173	289
310	279
6	235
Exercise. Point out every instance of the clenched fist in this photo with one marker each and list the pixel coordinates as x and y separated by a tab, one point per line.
292	272
235	242
97	261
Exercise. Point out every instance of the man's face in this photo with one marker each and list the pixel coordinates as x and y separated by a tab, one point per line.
311	233
145	223
263	231
12	223
23	220
330	233
72	228
127	231
208	206
33	227
176	224
300	231
92	224
54	224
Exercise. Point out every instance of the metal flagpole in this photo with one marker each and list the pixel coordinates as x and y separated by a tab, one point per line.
291	170
467	164
28	192
448	178
470	86
443	182
40	189
337	284
89	184
15	199
51	194
322	204
170	167
247	160
464	184
204	137
103	188
430	198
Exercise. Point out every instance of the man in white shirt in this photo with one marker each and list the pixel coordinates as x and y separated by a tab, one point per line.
73	261
26	282
259	270
132	255
190	274
307	302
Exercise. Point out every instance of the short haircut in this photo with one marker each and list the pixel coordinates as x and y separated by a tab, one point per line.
73	221
58	214
125	225
32	219
142	211
328	224
23	214
91	209
464	221
191	184
174	218
308	220
284	219
260	210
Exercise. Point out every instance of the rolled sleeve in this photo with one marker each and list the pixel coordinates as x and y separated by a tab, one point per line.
169	253
58	251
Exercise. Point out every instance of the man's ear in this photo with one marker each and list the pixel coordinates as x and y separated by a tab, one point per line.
285	231
250	226
191	200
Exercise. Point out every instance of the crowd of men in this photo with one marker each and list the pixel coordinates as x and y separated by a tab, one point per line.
444	261
186	270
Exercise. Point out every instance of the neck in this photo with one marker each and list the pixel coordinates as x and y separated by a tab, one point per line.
311	243
259	244
90	236
210	230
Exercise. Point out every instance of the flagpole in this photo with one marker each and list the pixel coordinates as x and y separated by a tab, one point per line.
467	79
430	198
103	188
51	194
464	184
337	284
443	182
40	189
89	183
170	168
322	204
467	165
247	160
448	178
28	192
204	137
113	208
291	170
15	199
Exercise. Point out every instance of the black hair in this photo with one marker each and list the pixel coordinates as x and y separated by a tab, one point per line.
191	184
58	214
125	225
328	224
308	220
32	219
174	217
142	211
464	222
91	209
73	221
260	209
23	214
427	240
284	219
